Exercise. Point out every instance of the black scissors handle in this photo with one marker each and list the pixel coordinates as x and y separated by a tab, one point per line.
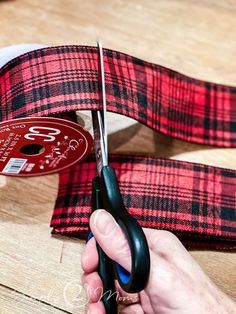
140	256
105	264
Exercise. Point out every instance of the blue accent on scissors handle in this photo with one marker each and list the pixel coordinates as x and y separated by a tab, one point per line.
90	236
105	264
140	256
122	273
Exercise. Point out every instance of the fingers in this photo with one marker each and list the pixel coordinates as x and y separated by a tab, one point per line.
96	308
110	237
93	286
89	260
124	297
133	309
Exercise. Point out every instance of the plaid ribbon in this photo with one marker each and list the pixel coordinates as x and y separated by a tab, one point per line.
195	201
192	200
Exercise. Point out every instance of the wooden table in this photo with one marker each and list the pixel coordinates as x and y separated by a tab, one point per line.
40	273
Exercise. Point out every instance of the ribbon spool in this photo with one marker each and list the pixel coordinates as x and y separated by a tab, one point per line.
39	146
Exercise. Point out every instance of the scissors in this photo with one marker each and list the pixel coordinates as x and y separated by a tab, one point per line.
106	194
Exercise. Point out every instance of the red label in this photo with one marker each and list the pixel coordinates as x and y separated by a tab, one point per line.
38	146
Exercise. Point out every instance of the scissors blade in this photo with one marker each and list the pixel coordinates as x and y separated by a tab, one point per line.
99	146
103	92
99	120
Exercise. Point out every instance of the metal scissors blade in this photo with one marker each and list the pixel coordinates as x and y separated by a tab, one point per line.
99	146
104	102
99	120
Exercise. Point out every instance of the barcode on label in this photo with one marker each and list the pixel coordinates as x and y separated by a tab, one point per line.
14	165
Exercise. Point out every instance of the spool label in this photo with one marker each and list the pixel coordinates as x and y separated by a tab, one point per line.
38	146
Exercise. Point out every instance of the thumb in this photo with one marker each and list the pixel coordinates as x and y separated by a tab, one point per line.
110	237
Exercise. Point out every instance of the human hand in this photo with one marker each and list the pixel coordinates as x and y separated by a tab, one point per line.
177	284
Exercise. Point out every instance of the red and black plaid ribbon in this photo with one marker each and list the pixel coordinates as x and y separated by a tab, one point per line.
195	201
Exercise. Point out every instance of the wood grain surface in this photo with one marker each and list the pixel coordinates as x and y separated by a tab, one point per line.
40	273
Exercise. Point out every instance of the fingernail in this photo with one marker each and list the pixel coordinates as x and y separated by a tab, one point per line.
104	222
